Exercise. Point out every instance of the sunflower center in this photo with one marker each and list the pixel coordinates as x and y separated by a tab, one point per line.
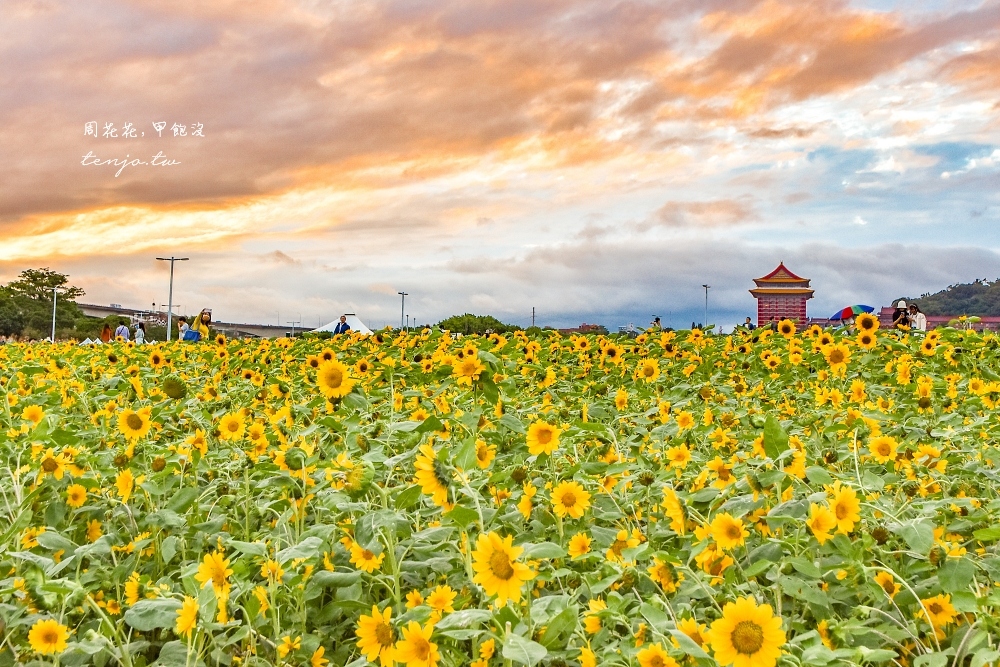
544	436
501	565
49	464
648	371
134	421
233	426
50	636
883	449
747	637
733	532
934	608
656	661
888	586
383	633
836	357
841	511
569	499
618	546
367	555
421	648
724	474
333	378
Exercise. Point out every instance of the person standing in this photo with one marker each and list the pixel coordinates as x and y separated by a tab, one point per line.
140	333
918	321
901	316
749	325
199	328
182	328
106	333
655	324
342	327
122	331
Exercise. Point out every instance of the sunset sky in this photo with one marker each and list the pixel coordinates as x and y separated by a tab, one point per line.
596	160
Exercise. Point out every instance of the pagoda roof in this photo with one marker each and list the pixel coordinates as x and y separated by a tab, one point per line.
781	276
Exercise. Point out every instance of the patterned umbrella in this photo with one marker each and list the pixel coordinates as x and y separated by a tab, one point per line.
851	311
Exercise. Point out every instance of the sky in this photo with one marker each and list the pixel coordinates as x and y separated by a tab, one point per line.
598	161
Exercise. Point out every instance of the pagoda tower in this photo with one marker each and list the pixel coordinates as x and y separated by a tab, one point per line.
781	295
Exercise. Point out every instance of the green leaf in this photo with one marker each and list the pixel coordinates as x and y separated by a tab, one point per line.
876	654
465	457
248	548
168	549
463	516
307	548
931	660
146	615
818	476
523	651
987	534
956	574
775	437
407	497
183	499
513	423
544	550
560	627
432	423
918	534
327	579
464	618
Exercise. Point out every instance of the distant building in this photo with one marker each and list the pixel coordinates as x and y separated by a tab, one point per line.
781	295
585	328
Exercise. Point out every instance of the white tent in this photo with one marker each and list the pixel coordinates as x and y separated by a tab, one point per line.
352	319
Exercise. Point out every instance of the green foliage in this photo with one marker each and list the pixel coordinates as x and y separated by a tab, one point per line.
980	297
26	304
475	324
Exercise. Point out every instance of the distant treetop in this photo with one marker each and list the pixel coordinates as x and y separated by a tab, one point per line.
475	324
980	297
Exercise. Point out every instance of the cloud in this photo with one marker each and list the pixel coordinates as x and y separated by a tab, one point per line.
716	213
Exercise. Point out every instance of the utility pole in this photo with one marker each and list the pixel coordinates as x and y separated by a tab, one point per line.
407	324
170	297
402	307
707	287
293	323
532	316
53	340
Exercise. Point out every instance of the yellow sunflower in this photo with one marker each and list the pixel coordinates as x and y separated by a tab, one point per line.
866	322
187	617
887	583
845	506
747	635
156	359
48	637
376	636
648	370
940	609
821	521
837	356
135	424
542	438
654	656
365	559
467	370
232	427
867	340
484	454
727	531
76	495
334	379
570	499
432	476
214	568
786	328
883	448
497	571
33	413
416	649
579	545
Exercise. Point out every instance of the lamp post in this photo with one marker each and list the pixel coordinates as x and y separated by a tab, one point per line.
53	339
402	307
170	296
707	287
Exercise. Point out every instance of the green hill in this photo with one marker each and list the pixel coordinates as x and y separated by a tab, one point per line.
977	298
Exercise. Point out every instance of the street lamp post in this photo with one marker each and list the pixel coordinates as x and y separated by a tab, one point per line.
170	297
53	339
402	307
707	287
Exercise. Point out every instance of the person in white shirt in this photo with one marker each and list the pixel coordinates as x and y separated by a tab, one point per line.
918	321
140	333
122	331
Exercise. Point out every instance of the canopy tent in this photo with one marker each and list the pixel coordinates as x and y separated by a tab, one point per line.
352	319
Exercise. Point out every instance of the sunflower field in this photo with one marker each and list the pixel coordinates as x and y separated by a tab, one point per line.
680	498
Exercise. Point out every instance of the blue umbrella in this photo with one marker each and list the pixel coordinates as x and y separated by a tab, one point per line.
850	311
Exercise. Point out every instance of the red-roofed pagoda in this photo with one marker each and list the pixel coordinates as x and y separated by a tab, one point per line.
781	294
